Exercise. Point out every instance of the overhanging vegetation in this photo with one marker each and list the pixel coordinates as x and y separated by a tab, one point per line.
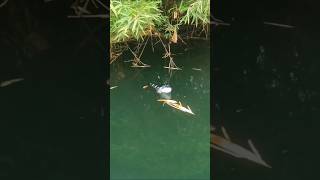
167	21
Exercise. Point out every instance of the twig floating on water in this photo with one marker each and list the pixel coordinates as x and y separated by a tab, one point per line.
226	135
138	66
173	68
104	16
145	86
113	87
215	19
9	82
197	69
235	150
219	23
176	105
278	25
255	151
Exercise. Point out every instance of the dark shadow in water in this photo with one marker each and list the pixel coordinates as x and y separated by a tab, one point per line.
266	87
51	126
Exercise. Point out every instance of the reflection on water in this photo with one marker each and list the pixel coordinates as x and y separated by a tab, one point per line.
152	141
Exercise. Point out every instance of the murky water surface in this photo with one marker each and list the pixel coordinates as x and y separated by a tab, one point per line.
149	140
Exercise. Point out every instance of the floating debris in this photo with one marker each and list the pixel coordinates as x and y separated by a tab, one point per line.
140	66
10	82
197	69
113	87
164	91
167	101
177	105
145	86
172	68
278	25
225	145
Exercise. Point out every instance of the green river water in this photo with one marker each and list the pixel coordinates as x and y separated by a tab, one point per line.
152	141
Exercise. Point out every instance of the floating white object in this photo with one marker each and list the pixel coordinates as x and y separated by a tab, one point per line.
113	87
164	89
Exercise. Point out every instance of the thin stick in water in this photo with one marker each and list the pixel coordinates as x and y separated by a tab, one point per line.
224	131
278	25
255	151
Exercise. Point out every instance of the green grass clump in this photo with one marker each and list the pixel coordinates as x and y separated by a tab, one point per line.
195	12
132	20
